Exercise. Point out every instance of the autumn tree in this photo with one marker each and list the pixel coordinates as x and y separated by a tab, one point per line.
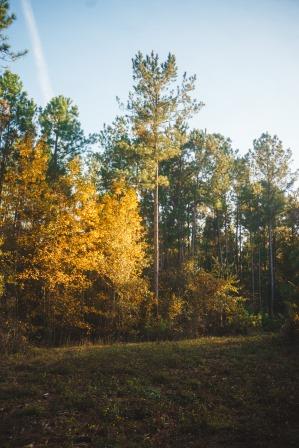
23	209
71	261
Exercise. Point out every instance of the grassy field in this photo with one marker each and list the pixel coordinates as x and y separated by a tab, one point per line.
209	392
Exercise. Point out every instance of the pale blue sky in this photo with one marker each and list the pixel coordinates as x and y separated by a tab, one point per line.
245	54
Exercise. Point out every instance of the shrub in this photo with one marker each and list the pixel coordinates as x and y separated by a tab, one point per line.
13	338
272	323
242	321
290	329
158	329
213	304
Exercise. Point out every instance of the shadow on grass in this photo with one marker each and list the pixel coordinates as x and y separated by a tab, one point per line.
227	392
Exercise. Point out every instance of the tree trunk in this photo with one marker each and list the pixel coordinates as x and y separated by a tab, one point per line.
240	252
194	219
260	282
180	215
271	268
252	270
156	239
55	154
226	241
2	173
219	242
5	150
236	240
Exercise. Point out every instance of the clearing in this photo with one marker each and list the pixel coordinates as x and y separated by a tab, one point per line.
208	392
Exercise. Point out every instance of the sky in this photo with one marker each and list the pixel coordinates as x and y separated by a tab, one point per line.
245	54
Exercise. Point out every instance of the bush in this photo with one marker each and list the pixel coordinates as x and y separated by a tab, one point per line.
272	323
242	321
158	329
13	338
213	304
290	329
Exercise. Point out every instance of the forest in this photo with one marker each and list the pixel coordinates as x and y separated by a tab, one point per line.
149	271
146	229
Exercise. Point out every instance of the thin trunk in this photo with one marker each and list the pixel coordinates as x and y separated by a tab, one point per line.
180	243
271	268
240	252
265	267
236	240
156	239
189	230
226	241
4	159
252	270
259	279
194	220
180	216
55	154
194	217
2	173
270	243
219	242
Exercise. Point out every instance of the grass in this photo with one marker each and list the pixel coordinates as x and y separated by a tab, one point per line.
209	392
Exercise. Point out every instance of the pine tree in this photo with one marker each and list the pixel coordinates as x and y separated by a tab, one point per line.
17	114
61	128
271	164
6	19
155	108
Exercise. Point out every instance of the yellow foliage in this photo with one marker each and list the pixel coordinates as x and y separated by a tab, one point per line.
121	236
65	247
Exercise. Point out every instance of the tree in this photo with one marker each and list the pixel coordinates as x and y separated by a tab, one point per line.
17	114
155	108
71	261
124	253
23	209
287	263
63	133
118	160
6	19
174	201
271	165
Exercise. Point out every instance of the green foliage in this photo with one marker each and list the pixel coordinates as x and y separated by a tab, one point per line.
243	321
6	19
272	324
159	329
290	329
156	106
62	131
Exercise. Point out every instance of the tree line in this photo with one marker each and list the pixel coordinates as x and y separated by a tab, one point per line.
146	228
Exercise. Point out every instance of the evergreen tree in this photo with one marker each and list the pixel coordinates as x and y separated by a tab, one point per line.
6	19
60	126
271	165
155	108
17	118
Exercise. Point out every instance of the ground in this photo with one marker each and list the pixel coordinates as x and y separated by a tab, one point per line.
209	392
